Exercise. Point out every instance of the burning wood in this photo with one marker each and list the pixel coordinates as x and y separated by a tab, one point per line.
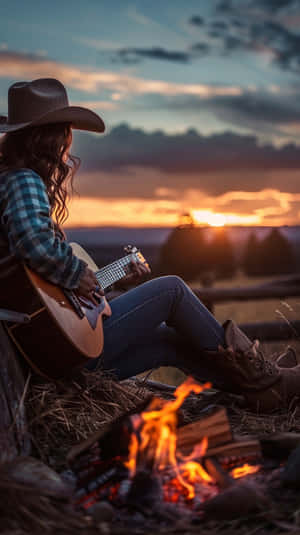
144	459
215	427
236	452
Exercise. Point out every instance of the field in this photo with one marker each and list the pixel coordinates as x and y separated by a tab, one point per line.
243	312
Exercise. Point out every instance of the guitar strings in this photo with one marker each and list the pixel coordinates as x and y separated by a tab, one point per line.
113	272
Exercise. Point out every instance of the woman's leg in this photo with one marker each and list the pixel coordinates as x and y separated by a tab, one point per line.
164	347
138	313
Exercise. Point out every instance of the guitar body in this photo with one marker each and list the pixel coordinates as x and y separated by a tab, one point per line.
57	339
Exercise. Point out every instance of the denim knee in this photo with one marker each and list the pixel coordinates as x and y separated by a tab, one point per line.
173	281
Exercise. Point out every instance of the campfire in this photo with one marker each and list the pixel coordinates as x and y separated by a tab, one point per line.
153	448
145	461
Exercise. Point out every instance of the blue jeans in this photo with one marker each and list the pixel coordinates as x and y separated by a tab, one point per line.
159	323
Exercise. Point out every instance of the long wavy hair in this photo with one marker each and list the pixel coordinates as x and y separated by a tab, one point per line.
43	148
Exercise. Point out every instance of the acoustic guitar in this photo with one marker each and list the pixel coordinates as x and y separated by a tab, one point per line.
64	332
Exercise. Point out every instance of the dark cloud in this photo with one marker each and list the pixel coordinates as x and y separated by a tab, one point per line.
284	43
225	6
196	21
232	43
260	108
277	5
200	48
189	152
270	6
130	163
257	26
219	25
238	23
243	30
215	34
262	112
135	55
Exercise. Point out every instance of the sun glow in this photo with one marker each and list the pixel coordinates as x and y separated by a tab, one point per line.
208	217
215	219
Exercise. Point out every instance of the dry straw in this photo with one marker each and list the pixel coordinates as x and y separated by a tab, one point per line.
64	413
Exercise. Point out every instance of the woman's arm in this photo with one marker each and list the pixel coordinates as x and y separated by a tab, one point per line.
30	230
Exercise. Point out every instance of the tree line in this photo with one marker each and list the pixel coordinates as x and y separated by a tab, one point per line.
189	254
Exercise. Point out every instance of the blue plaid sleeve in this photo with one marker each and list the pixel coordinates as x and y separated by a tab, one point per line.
31	234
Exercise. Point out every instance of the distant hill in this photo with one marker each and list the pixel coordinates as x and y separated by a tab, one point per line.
119	235
105	244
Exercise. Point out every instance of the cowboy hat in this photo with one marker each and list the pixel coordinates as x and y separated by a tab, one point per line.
45	101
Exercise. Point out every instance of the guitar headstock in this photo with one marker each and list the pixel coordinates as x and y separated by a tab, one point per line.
136	254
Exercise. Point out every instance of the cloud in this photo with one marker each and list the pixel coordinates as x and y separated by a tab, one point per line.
274	112
265	206
219	25
261	26
97	44
271	111
28	66
90	211
97	105
197	158
276	5
196	20
259	108
225	6
134	55
202	48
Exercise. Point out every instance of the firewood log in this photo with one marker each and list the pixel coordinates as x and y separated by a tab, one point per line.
215	427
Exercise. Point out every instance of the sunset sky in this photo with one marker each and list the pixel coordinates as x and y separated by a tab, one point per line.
201	101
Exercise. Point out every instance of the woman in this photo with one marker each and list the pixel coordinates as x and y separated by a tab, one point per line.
158	323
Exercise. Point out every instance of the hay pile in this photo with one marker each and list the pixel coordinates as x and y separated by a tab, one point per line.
62	414
26	509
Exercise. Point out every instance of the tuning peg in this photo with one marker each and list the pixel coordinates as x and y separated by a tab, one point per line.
130	249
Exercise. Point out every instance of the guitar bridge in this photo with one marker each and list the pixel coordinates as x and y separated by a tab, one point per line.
74	301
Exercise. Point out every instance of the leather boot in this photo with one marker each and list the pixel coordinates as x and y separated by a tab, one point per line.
264	384
287	359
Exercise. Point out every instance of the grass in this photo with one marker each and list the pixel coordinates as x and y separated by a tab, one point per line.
61	414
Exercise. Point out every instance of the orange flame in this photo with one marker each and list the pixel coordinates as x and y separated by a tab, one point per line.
242	471
158	441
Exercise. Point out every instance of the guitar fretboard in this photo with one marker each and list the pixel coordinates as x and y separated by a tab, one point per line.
107	275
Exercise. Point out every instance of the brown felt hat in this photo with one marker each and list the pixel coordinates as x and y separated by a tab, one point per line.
45	101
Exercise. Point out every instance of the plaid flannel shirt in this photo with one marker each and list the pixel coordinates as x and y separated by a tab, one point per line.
27	231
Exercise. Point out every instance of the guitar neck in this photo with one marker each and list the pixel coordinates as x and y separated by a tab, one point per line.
112	273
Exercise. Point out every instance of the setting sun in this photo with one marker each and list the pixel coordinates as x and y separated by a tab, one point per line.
215	219
208	217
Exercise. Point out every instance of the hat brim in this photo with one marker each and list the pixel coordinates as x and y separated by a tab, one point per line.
80	119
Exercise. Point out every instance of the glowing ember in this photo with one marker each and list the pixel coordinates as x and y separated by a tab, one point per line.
158	472
157	444
244	470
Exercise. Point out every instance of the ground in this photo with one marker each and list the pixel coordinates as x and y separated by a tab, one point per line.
60	415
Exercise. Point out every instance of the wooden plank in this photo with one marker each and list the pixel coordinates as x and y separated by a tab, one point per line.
14	439
221	443
215	427
232	452
272	331
247	293
285	279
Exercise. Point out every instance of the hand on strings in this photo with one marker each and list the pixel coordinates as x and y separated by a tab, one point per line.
137	274
89	287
